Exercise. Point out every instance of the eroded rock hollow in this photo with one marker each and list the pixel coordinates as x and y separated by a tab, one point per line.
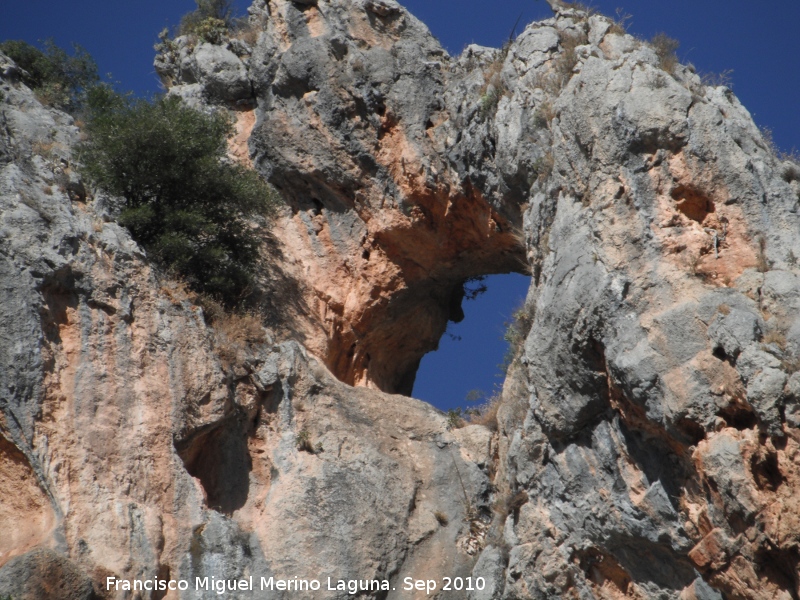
647	441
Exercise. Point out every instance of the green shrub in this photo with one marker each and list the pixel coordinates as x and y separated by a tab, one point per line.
303	442
209	21
455	418
489	101
516	331
185	202
57	77
211	30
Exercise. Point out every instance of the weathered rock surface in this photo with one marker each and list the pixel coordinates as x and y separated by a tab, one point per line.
128	450
647	442
352	126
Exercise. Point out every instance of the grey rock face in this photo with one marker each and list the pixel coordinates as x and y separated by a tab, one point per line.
222	73
491	567
216	72
662	304
649	345
733	332
44	574
128	448
646	442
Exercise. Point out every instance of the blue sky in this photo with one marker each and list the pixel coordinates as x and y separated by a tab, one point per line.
757	40
470	352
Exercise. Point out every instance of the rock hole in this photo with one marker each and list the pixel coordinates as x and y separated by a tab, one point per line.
468	365
693	431
766	470
164	575
719	352
780	568
604	571
60	301
220	460
692	203
739	417
304	5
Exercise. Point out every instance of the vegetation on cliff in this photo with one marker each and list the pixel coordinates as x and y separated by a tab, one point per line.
57	78
185	202
208	14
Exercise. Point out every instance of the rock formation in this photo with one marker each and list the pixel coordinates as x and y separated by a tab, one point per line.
647	443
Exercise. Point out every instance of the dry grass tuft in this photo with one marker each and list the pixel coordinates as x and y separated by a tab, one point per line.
516	331
791	364
177	291
544	166
619	26
666	49
581	7
235	333
544	114
44	149
509	504
486	414
761	256
718	79
776	337
790	170
248	31
493	88
565	62
441	518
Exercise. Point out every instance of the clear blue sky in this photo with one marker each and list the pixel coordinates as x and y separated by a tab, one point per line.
471	352
757	40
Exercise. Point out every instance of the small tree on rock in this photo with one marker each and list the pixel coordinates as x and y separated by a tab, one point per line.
186	203
209	21
57	78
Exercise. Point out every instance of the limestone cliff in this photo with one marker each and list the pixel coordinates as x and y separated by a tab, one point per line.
647	442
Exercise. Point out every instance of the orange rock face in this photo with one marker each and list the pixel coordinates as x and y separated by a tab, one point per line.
381	231
26	514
